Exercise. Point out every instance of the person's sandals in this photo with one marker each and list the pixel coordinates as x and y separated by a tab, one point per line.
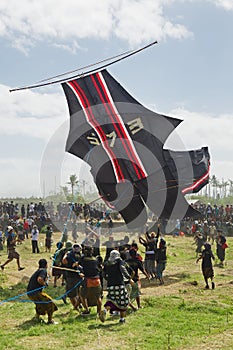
102	315
52	322
85	312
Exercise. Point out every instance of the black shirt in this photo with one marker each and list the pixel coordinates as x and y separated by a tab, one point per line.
90	266
34	287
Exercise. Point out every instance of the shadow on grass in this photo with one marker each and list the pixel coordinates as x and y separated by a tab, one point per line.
168	280
111	325
32	323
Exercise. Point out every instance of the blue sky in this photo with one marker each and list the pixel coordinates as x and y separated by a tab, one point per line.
188	75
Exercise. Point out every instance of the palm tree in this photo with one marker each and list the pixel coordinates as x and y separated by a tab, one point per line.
65	191
214	182
84	183
224	185
231	187
73	182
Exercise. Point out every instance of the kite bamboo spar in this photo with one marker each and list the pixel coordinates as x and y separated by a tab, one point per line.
45	82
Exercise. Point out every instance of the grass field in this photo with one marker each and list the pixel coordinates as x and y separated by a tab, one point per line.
181	314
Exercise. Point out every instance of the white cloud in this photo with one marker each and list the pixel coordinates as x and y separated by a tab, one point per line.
61	22
139	21
203	129
72	48
226	4
31	113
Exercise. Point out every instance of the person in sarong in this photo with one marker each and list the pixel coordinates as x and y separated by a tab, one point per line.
161	259
48	238
74	274
150	243
90	290
35	291
117	298
207	267
136	265
11	247
221	247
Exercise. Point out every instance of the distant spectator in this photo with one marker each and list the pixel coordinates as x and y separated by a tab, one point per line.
110	225
11	245
35	238
26	228
161	258
207	267
48	238
1	238
64	237
221	247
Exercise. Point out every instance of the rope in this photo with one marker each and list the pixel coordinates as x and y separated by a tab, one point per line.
37	289
20	295
38	302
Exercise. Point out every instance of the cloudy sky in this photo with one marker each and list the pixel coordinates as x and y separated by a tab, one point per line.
188	75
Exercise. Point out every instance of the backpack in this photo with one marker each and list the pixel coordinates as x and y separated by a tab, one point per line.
58	256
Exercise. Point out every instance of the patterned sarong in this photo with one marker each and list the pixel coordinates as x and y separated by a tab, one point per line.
118	297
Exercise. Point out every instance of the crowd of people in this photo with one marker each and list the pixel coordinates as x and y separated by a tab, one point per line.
219	215
43	212
81	268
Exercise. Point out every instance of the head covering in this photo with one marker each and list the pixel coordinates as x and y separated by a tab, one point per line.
9	228
114	255
162	242
77	246
68	245
207	246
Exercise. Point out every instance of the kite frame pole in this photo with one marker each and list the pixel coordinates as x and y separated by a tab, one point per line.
34	86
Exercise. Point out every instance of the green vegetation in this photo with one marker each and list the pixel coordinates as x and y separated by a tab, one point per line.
218	192
180	315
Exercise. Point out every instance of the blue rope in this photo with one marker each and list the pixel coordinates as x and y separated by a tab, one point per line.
26	293
20	295
38	302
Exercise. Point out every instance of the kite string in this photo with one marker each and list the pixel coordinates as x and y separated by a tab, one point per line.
84	67
85	73
139	194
